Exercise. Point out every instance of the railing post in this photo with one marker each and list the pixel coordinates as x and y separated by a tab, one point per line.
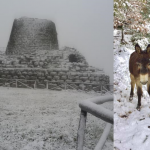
81	130
65	85
35	84
103	138
46	84
16	83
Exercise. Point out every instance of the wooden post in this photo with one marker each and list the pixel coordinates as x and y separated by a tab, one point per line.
65	86
35	84
16	83
46	84
50	45
81	130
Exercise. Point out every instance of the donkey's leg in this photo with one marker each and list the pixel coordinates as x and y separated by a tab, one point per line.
139	93
132	87
148	86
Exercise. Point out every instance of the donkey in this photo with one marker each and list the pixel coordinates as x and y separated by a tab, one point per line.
139	67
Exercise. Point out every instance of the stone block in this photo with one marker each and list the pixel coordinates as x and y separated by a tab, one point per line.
41	86
64	77
56	77
53	73
83	78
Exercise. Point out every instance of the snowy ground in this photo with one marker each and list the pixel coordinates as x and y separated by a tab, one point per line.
132	127
45	120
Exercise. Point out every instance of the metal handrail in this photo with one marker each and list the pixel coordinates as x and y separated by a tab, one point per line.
93	107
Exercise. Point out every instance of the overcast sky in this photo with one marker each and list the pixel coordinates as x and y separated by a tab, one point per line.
86	25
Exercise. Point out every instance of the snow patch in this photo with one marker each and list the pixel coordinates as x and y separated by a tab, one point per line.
132	127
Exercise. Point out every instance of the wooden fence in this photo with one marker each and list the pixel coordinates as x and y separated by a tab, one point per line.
54	85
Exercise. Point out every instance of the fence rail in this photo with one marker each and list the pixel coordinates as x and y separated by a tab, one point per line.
55	85
93	107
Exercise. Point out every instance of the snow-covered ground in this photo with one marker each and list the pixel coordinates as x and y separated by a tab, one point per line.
132	127
45	120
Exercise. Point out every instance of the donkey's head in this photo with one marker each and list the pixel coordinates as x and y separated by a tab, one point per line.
143	63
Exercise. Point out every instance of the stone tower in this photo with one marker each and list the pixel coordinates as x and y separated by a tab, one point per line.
30	34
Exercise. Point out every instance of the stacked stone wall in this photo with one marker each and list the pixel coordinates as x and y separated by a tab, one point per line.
58	76
34	60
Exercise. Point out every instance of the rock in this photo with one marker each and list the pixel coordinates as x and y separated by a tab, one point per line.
41	86
51	85
91	78
63	77
97	79
49	77
21	77
85	74
56	77
62	73
82	87
53	73
68	80
15	77
83	78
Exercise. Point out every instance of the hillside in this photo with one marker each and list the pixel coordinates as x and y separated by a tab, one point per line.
132	127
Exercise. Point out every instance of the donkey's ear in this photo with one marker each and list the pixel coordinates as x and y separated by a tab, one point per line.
138	48
148	48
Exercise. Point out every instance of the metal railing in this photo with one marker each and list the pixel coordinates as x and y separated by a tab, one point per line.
93	107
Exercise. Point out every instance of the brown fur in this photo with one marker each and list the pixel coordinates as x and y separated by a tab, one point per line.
139	67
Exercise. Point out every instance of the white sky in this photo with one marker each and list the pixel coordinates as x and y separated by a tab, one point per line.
86	25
